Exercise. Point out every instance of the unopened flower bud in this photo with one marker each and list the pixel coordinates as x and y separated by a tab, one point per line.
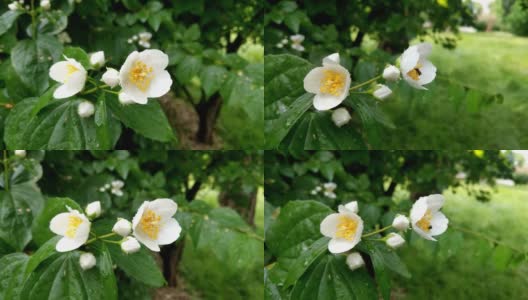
87	261
340	116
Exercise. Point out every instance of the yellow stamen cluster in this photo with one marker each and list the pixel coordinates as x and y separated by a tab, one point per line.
332	83
415	73
425	222
141	75
346	228
150	224
73	223
71	69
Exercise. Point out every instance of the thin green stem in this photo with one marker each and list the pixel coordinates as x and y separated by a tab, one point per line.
111	92
365	83
33	19
6	171
99	237
479	235
112	242
376	231
90	91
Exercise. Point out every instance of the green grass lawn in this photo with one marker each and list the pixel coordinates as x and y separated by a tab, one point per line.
460	266
447	117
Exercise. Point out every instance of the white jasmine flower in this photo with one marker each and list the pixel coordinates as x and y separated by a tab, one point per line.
14	6
122	227
350	206
130	245
45	4
85	109
144	36
143	75
125	99
354	261
415	67
87	261
71	74
117	184
20	153
97	59
400	222
330	83
382	92
426	218
73	226
341	116
153	224
344	228
391	73
93	209
297	38
394	240
111	77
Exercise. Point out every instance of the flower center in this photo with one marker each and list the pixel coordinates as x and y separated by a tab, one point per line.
73	223
150	224
141	75
346	228
70	69
332	83
415	73
425	222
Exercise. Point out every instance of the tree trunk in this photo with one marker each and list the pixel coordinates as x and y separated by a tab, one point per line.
172	256
208	112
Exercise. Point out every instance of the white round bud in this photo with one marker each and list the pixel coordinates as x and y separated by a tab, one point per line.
111	77
13	6
130	245
340	116
352	206
85	109
391	73
20	153
400	222
97	59
382	92
354	261
87	261
394	240
93	209
45	4
122	227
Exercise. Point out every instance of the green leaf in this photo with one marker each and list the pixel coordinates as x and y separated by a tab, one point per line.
18	207
277	129
295	239
386	256
271	291
44	100
140	265
79	55
7	20
30	59
323	134
330	278
189	67
50	22
61	277
501	257
44	252
192	33
212	78
176	55
12	275
108	129
57	126
148	120
283	78
53	207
